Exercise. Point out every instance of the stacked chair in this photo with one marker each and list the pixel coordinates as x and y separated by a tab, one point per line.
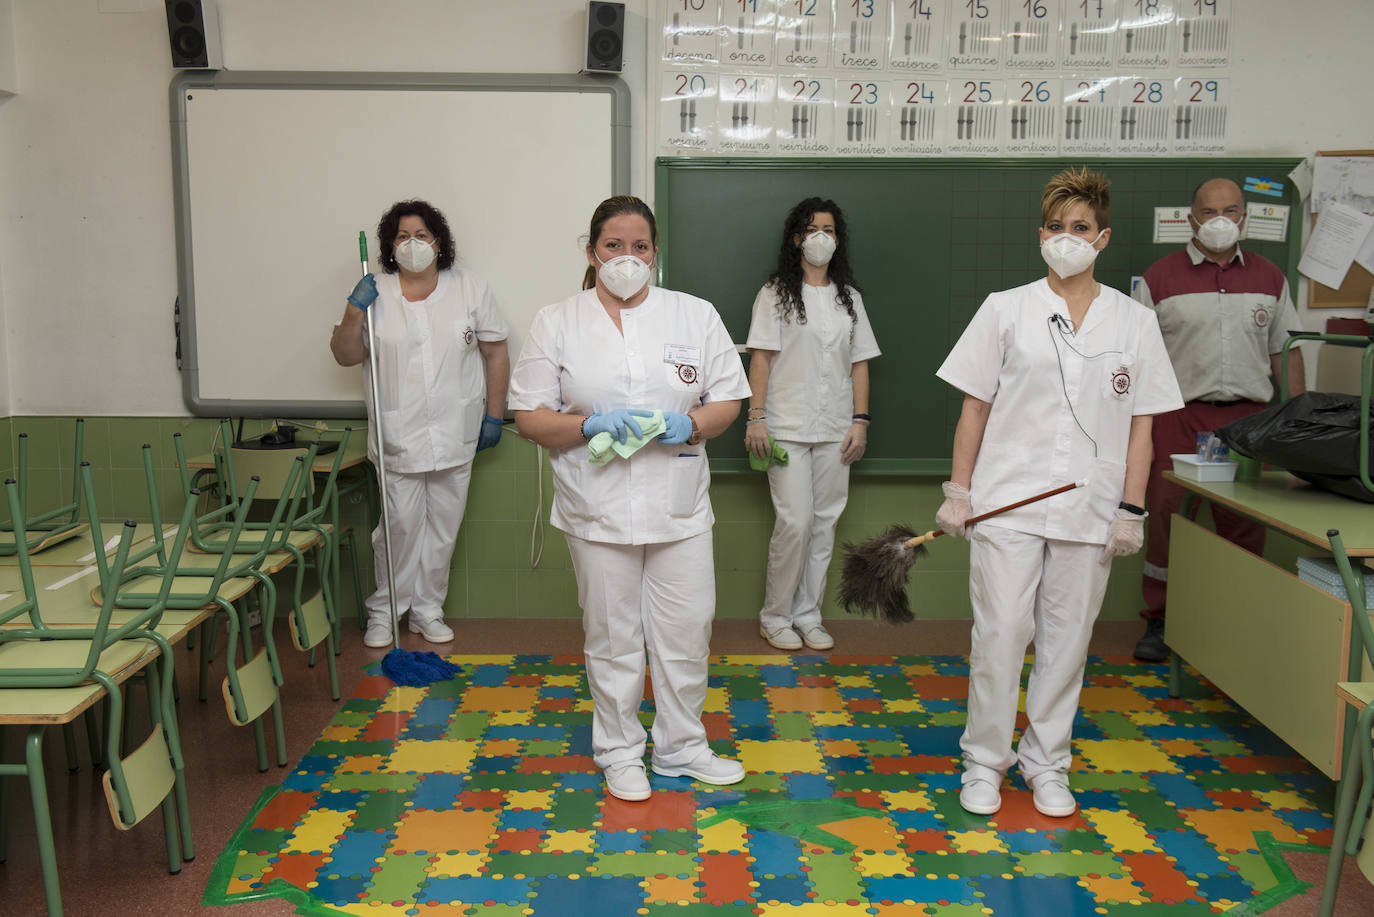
51	526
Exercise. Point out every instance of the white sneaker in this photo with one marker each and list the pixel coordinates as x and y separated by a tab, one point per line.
818	638
627	781
980	797
1052	796
709	768
378	634
784	638
435	631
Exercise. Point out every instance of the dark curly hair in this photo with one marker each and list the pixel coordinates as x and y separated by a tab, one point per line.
787	279
611	207
390	224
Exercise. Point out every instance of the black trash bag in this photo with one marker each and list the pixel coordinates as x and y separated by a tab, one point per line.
1315	435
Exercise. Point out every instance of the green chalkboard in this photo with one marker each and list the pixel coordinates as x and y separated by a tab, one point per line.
929	239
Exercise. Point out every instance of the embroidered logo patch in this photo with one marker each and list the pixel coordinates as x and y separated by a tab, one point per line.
468	335
1121	380
687	373
1261	316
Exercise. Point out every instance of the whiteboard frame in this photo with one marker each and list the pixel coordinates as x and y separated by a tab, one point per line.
184	317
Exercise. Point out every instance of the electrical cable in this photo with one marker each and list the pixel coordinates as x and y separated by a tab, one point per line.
1057	321
537	526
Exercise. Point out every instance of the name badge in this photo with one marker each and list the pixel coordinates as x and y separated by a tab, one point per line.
681	353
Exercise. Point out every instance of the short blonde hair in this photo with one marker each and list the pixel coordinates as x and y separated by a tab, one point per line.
1077	186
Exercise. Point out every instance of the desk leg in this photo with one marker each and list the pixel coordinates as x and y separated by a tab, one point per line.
1175	674
42	820
1345	815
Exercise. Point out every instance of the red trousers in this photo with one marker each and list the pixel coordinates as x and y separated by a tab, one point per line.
1176	432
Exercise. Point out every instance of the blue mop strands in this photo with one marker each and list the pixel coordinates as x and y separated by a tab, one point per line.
416	669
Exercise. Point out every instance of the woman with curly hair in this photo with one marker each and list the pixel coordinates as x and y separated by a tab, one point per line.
1061	380
444	367
809	344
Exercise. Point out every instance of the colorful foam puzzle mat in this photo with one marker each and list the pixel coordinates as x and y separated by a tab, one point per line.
478	796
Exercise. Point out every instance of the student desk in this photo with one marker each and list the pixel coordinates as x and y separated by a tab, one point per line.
1274	643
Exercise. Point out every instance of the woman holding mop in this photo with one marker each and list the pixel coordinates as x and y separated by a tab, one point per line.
656	372
443	368
809	347
1061	378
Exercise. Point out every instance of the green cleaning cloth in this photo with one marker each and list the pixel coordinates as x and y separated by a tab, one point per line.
777	457
603	446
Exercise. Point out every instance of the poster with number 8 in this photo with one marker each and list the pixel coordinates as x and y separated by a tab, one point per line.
803	113
916	123
1146	27
1200	110
1147	116
687	109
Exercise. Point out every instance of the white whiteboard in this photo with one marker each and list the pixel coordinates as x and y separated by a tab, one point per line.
278	180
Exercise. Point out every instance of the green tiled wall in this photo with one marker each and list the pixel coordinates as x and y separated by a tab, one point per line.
492	575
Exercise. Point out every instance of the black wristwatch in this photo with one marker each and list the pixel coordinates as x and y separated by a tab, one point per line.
1131	508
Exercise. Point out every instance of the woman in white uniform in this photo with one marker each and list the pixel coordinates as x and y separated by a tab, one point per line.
1061	378
809	346
638	529
444	367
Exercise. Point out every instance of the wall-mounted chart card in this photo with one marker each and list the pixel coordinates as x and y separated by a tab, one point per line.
917	36
1147	116
1201	106
744	116
1033	116
747	29
802	114
1146	27
971	117
1091	116
687	110
1032	41
861	117
975	34
1172	226
804	32
860	35
1266	222
1087	41
917	123
1203	33
691	31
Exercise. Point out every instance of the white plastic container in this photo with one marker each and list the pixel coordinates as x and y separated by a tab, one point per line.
1188	466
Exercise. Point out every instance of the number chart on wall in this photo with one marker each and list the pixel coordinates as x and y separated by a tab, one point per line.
943	77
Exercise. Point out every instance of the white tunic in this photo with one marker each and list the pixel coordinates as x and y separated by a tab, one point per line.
1113	368
674	355
433	379
810	393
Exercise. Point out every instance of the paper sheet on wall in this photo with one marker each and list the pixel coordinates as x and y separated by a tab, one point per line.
1340	235
1171	225
1266	222
1347	179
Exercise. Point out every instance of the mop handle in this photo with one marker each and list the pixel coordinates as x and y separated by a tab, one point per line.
922	539
381	458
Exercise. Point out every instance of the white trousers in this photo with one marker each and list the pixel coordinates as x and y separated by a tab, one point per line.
425	511
809	493
1023	588
659	596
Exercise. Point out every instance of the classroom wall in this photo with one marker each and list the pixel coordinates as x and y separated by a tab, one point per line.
87	259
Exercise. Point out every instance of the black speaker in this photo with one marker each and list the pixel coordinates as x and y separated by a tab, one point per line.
605	37
193	28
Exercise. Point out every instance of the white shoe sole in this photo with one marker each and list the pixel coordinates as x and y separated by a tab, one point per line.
827	645
629	797
377	644
787	647
695	775
1055	811
979	810
429	639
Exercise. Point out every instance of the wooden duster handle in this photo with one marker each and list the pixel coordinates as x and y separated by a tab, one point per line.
936	533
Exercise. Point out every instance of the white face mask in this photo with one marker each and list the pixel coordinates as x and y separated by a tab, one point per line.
624	276
1067	254
414	255
818	248
1218	234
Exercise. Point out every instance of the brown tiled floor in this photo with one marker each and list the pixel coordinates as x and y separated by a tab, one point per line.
105	871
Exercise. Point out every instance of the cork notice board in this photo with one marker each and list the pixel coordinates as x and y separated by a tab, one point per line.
1354	292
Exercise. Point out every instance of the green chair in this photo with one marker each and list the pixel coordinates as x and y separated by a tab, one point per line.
220	582
1357	774
49	675
53	526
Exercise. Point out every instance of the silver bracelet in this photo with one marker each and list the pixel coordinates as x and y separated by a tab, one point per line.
756	420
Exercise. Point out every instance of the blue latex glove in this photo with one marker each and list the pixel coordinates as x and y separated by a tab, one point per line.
490	434
615	423
365	293
679	428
